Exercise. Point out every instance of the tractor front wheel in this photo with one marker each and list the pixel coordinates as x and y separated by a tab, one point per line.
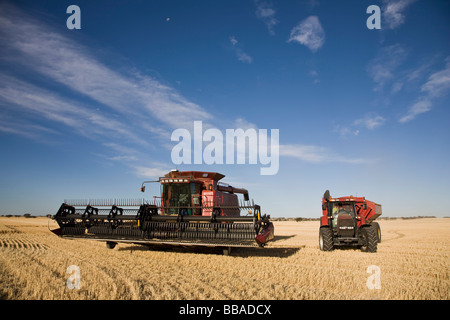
325	239
369	238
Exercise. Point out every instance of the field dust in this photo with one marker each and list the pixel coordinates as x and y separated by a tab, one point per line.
413	261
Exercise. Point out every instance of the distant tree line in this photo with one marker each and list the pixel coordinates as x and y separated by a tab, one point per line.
299	219
26	215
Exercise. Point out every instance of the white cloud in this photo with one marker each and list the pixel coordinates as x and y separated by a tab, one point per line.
24	128
150	172
371	121
315	75
437	85
381	69
393	12
304	152
16	94
311	4
94	100
243	57
345	131
239	52
123	158
309	32
396	87
42	49
117	141
266	13
439	82
242	123
418	108
315	154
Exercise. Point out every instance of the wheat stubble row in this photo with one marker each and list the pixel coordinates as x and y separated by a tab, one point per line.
413	258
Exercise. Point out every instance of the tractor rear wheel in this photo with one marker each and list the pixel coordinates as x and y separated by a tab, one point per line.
325	239
369	238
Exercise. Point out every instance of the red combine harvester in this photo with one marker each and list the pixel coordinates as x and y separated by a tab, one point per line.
349	221
194	208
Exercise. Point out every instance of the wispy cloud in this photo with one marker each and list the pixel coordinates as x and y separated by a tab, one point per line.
239	52
150	172
437	85
316	154
87	122
416	109
42	49
393	12
25	128
303	152
309	32
382	68
266	13
344	131
315	75
386	72
311	4
370	121
127	107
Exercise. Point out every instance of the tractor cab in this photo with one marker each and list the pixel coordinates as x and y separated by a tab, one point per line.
343	217
342	208
335	208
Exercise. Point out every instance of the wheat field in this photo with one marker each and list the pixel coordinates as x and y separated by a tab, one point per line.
413	260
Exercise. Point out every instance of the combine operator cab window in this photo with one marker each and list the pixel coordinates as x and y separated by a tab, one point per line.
175	197
181	197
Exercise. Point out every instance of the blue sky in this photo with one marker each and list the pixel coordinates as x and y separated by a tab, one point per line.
89	113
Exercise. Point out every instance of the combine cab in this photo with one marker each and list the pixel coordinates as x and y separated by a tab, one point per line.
194	209
349	221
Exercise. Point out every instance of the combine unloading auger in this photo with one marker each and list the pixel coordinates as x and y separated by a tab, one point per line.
194	209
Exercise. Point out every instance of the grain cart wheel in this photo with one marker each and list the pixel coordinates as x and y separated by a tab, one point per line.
377	227
325	239
369	238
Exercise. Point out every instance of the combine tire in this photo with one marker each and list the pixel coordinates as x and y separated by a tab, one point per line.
110	244
369	238
226	251
325	239
377	227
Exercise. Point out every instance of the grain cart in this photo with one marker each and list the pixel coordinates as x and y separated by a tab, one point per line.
193	208
349	221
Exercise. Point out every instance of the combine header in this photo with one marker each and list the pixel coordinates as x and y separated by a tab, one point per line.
194	209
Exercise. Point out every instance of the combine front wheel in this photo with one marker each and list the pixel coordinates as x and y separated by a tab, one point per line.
110	244
226	251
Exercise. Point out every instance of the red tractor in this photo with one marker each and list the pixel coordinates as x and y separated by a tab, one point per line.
349	221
